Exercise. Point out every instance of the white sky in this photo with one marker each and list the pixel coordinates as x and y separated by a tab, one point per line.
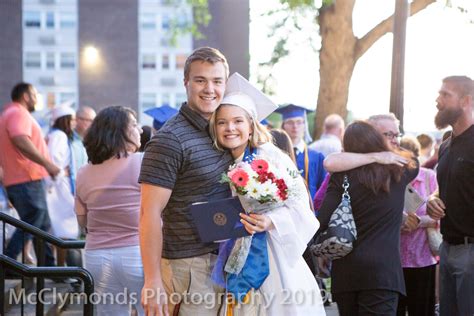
439	43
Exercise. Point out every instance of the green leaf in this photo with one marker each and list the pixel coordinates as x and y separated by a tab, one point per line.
180	27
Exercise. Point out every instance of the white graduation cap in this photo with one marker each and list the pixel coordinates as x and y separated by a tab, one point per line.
242	93
62	110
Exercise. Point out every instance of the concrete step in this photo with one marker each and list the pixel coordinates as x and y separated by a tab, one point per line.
55	299
13	287
75	307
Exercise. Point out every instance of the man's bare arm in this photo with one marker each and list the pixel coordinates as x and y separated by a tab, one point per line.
153	202
26	147
344	161
435	206
82	220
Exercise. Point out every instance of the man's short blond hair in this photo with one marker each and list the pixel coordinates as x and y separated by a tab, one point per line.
205	54
463	85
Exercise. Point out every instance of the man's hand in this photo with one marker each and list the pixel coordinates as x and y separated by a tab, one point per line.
435	207
52	169
412	222
153	201
389	158
27	148
154	300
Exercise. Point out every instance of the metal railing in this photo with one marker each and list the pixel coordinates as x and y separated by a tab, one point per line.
40	272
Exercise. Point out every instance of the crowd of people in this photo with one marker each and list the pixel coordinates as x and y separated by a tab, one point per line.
129	190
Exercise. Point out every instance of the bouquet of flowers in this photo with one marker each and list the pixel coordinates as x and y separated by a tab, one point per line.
259	185
261	188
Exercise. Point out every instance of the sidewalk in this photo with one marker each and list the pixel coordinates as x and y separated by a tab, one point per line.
331	310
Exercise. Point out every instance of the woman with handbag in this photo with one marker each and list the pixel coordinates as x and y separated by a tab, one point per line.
418	260
369	279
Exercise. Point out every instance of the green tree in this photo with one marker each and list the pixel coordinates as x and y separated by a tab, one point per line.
181	25
339	51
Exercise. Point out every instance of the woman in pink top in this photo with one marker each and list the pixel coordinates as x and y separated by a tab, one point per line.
419	264
107	204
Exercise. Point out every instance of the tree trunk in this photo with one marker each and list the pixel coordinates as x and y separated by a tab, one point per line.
337	60
340	50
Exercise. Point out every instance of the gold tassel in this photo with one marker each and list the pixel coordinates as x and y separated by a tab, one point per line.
231	302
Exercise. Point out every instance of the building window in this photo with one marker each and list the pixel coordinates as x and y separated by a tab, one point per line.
32	19
180	61
165	62
180	98
165	41
50	100
148	100
182	21
168	82
165	22
33	60
50	20
50	60
67	97
148	61
148	21
68	61
165	99
67	20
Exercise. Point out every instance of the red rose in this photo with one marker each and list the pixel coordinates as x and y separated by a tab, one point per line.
264	176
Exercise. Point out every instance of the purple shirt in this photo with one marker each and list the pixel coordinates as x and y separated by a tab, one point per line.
318	198
109	194
414	248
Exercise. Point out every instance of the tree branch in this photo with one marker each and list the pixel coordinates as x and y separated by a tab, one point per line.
384	27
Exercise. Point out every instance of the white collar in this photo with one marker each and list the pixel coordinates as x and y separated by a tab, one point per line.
300	147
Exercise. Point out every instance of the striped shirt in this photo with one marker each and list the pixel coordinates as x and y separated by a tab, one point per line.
181	157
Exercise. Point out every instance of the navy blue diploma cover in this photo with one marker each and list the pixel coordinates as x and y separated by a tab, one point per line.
218	220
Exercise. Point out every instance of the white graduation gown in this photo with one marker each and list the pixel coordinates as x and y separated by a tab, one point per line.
290	288
59	196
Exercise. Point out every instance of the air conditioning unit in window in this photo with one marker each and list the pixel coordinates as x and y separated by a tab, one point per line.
168	82
47	81
47	40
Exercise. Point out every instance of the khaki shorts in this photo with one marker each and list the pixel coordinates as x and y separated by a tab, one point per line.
191	286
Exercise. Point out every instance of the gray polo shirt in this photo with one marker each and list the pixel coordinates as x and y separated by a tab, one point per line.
181	157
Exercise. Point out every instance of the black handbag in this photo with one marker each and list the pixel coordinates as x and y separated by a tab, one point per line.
337	240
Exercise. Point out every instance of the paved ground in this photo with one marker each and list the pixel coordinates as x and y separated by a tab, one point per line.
332	310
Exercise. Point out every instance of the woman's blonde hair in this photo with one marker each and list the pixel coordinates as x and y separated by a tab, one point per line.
259	136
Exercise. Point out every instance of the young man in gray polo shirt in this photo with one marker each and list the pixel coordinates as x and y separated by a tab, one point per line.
181	167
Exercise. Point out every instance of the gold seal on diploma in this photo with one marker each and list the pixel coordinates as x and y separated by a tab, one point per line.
220	219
